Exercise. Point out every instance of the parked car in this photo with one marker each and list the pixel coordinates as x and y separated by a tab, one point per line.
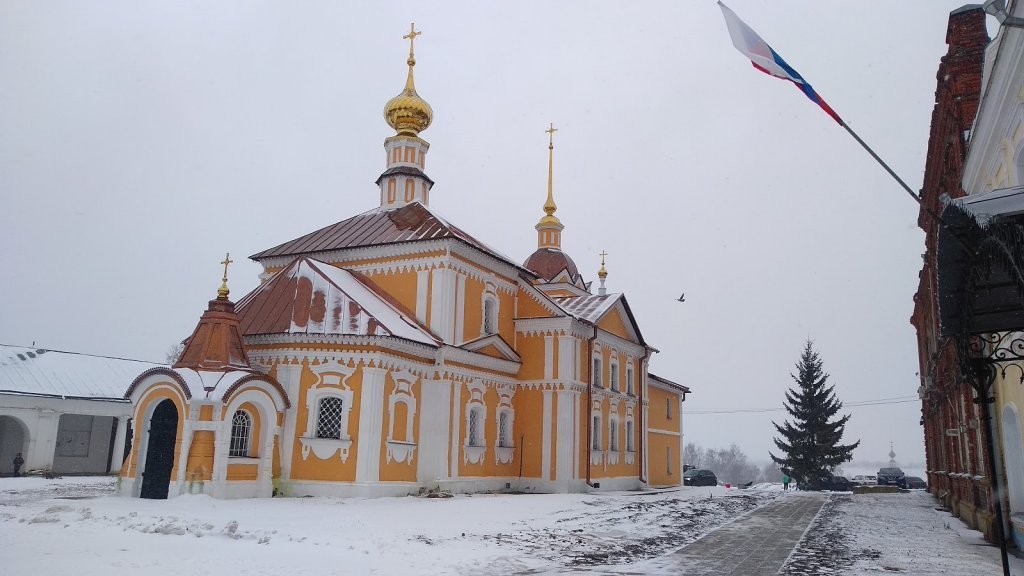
865	479
916	483
839	484
699	478
892	477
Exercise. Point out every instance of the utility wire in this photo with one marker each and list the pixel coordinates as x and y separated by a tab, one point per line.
875	402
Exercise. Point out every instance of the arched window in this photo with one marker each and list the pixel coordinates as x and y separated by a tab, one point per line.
490	316
629	380
504	432
241	432
473	434
328	417
613	374
596	432
596	372
613	434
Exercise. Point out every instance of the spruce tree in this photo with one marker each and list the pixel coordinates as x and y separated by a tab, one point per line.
811	440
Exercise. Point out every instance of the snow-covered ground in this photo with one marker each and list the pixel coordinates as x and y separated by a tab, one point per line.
76	526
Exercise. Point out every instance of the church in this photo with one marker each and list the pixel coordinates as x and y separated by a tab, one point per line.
392	353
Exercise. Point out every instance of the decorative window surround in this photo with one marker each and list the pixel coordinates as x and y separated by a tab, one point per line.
402	449
504	445
476	413
596	457
331	382
630	456
613	457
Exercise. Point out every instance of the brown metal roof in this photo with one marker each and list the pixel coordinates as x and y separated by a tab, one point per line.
592	308
549	262
408	223
216	343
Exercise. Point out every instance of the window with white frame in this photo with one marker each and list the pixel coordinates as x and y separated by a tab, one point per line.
504	430
596	372
613	434
629	380
474	432
595	443
629	436
241	434
328	417
613	375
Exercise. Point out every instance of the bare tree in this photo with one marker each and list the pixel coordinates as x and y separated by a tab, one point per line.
174	352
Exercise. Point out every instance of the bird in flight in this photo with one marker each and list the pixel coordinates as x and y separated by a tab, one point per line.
682	297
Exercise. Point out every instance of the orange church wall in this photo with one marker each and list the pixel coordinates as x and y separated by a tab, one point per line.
529	307
529	407
312	468
531	350
663	411
206	413
506	317
472	323
395	471
399	285
199	464
243	470
663	460
614	323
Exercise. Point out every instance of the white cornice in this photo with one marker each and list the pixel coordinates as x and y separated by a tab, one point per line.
454	354
388	342
556	325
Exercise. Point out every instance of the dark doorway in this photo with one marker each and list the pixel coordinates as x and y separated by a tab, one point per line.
163	435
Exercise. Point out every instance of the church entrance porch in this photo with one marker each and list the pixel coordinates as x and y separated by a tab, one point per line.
13	439
162	438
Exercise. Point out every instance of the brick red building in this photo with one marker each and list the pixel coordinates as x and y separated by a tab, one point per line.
954	441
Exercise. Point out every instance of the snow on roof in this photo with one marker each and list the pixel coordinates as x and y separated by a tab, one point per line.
393	320
57	373
588	308
1002	202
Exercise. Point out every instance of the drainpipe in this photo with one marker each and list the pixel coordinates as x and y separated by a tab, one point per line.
641	429
590	403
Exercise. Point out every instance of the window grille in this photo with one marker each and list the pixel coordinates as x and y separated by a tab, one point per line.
503	431
328	419
614	374
241	428
629	435
597	372
596	443
613	436
474	427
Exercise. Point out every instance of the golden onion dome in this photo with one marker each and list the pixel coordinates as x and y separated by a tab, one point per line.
407	113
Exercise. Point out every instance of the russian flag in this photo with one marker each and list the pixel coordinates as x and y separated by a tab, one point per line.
767	60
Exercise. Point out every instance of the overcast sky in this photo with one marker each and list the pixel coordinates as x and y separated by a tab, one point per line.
139	142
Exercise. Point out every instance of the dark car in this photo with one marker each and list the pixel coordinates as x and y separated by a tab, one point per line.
699	478
892	477
839	484
916	483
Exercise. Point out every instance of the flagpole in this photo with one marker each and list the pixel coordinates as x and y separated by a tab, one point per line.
913	194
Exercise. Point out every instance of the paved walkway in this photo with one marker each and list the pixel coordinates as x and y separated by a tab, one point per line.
755	545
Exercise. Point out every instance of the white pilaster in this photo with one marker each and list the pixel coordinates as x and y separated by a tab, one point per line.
422	289
288	376
371	422
545	458
456	441
549	356
118	453
566	366
432	458
564	443
442	303
460	308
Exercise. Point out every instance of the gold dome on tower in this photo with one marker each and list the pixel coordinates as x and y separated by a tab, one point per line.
407	113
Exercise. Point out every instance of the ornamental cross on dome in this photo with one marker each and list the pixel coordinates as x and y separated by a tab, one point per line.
551	135
223	290
411	37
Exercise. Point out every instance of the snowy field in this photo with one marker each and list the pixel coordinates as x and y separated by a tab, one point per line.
76	526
